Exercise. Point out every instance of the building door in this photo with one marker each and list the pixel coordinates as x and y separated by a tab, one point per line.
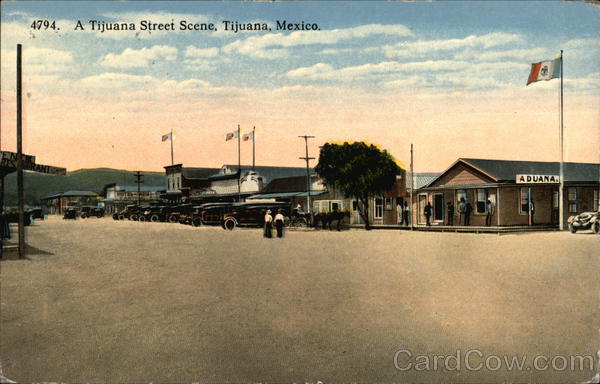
438	207
421	213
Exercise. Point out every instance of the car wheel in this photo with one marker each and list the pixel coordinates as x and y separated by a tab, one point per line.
99	214
172	219
83	216
133	217
596	227
121	217
142	218
572	228
229	224
196	222
154	218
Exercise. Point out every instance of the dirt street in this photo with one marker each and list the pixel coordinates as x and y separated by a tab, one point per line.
106	301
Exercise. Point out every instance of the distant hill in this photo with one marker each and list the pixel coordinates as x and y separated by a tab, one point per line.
38	185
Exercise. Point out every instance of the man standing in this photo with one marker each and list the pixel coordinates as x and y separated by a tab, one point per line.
427	212
279	221
490	209
406	213
531	210
268	224
462	209
450	214
468	210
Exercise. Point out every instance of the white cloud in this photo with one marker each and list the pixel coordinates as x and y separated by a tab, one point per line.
274	45
424	47
526	55
122	81
195	52
324	71
133	58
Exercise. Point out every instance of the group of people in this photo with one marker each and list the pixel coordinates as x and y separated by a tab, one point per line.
278	221
464	210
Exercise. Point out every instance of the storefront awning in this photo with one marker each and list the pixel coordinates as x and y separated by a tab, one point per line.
284	195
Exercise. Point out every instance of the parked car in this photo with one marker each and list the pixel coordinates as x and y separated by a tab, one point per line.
178	212
213	213
91	211
585	220
70	214
156	213
130	212
253	214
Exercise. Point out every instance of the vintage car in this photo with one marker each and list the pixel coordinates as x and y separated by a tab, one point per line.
179	212
585	220
70	214
155	213
130	212
212	213
253	214
91	211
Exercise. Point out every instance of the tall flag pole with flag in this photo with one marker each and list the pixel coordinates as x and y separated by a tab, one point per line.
236	135
169	136
251	136
548	70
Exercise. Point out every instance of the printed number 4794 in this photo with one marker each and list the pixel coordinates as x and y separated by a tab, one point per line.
44	24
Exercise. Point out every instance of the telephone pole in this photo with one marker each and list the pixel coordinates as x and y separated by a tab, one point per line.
308	181
20	193
139	180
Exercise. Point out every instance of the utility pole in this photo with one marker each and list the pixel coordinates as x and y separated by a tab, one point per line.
20	156
139	179
239	164
412	187
308	181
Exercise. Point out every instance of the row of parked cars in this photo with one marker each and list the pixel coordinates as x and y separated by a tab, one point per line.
227	215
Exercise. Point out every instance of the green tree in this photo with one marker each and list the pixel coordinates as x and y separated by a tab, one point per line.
359	171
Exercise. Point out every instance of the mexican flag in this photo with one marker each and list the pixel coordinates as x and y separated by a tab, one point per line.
544	70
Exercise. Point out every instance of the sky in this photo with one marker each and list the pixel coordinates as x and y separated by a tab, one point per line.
449	77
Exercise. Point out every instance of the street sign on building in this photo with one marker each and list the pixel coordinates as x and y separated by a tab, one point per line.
537	179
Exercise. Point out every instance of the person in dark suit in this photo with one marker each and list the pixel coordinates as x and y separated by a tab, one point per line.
450	214
468	210
427	212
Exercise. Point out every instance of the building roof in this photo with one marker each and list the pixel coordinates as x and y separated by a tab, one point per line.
288	184
506	170
143	188
73	193
423	179
503	171
268	173
198	173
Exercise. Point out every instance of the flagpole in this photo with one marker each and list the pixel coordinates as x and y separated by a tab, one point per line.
561	213
239	165
253	147
172	162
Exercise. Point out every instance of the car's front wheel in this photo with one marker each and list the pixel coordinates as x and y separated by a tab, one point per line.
572	228
596	227
229	224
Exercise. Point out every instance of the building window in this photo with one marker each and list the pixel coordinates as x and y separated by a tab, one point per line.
460	194
596	201
572	196
482	197
378	208
524	200
388	203
355	205
555	200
